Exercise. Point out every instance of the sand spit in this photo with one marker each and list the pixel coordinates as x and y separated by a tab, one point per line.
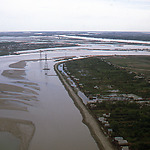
26	83
22	129
13	88
20	64
18	97
10	105
102	141
29	84
15	97
14	74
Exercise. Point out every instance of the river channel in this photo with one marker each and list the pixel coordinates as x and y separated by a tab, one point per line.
42	116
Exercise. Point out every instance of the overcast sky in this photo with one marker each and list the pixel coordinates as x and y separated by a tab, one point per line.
76	15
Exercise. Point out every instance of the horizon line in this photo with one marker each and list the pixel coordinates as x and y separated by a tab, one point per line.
71	31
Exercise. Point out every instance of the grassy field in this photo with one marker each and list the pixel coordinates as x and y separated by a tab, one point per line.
139	64
102	75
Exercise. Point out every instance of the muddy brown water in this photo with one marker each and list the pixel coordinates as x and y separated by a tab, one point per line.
58	122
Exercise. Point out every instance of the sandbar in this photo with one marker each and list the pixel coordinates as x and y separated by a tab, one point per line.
22	129
20	64
17	95
14	74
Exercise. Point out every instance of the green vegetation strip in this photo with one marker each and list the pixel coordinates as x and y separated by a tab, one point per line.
101	77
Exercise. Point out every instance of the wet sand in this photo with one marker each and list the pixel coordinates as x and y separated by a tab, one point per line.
17	94
10	88
20	64
102	141
14	74
21	129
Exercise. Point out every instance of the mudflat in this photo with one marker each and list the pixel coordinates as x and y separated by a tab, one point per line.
19	93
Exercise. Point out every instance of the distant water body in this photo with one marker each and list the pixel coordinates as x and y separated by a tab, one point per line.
110	40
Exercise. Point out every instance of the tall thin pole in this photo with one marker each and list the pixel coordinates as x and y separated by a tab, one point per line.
46	64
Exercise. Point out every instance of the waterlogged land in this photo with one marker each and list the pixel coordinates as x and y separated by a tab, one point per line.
10	43
14	43
118	85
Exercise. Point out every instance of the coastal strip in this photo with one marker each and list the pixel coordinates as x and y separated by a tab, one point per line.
101	140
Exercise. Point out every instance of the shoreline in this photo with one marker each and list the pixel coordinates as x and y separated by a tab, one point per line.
88	119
